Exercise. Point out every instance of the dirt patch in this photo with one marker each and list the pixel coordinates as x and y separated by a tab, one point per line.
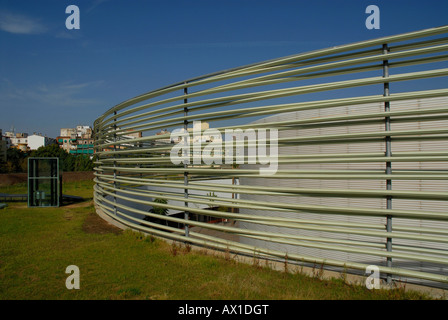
9	179
77	176
94	224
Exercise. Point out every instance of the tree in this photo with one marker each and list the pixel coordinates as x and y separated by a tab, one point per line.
83	163
51	150
3	166
160	210
68	164
211	195
67	161
15	161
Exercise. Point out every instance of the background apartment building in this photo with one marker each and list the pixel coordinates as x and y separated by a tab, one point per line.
17	140
77	140
25	142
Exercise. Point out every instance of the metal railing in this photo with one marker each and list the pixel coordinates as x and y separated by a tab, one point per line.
362	159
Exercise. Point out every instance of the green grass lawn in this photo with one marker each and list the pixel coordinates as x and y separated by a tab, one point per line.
79	188
37	244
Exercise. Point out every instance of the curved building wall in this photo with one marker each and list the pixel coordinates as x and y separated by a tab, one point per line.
332	200
341	221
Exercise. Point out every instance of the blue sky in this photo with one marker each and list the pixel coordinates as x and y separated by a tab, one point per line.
52	77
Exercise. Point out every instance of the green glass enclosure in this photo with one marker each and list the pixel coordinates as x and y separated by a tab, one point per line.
44	182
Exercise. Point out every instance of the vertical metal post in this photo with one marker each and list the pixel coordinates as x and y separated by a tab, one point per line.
186	214
115	163
388	163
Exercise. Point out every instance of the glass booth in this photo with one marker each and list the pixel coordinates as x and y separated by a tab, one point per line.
44	182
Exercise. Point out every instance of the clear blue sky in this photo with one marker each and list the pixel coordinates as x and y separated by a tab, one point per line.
52	77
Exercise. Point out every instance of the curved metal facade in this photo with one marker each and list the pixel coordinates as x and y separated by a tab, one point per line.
362	164
346	237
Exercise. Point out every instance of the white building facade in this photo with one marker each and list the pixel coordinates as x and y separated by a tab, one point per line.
36	141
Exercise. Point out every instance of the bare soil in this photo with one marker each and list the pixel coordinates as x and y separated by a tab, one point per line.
94	224
9	179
